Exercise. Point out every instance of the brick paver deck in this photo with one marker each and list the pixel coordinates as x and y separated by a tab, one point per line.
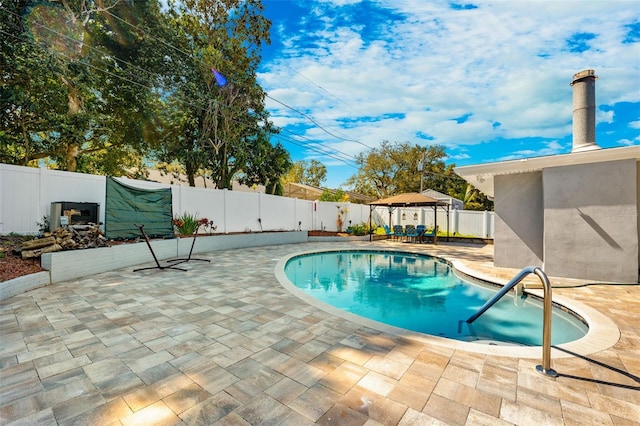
225	343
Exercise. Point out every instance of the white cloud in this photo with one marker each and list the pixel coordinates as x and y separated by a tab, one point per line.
459	157
604	116
629	142
550	148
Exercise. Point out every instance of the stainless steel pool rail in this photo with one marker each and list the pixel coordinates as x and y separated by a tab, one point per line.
545	368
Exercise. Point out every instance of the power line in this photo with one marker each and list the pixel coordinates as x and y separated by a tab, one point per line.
315	122
330	155
319	148
324	150
267	95
340	156
325	90
344	154
335	97
155	75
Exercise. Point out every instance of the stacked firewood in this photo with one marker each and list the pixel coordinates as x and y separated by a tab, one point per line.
65	238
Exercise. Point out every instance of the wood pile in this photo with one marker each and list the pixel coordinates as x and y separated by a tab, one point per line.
66	238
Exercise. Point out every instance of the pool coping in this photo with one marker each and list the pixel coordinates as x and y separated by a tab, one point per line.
602	334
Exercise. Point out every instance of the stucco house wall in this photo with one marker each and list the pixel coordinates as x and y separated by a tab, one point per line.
591	221
590	227
519	220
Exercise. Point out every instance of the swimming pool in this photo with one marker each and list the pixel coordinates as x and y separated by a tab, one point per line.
422	294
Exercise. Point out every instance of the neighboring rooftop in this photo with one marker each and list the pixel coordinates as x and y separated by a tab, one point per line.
172	178
455	203
313	193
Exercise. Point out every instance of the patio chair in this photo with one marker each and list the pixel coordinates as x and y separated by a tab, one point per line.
388	232
420	229
398	231
433	235
410	232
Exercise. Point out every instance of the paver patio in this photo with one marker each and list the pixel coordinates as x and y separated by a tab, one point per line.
225	343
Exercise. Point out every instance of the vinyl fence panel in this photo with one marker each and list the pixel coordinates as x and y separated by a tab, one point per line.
278	213
20	208
26	194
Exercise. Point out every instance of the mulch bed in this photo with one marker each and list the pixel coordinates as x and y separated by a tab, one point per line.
12	265
327	234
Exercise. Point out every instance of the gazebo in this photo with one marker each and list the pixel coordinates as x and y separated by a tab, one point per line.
410	199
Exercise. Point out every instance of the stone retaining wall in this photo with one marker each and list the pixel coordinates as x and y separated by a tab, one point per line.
68	265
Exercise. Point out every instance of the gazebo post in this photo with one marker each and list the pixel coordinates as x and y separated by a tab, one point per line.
370	213
448	220
435	226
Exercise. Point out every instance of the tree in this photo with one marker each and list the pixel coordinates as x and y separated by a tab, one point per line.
63	85
338	196
218	126
393	169
85	90
295	173
312	173
30	95
473	199
266	164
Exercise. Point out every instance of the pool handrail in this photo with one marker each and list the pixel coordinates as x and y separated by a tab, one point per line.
545	368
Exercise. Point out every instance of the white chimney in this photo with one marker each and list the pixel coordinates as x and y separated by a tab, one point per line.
584	111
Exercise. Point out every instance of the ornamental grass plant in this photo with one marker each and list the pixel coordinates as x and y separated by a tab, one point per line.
186	224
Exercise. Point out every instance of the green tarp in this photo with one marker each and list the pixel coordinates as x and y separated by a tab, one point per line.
127	207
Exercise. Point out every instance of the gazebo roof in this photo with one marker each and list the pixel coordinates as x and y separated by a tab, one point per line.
408	199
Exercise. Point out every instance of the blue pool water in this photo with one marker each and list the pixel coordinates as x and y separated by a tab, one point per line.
421	293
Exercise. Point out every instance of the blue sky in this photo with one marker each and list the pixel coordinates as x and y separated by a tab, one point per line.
488	80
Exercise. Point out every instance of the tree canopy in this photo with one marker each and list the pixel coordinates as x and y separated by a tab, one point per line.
105	86
62	94
395	168
392	168
312	173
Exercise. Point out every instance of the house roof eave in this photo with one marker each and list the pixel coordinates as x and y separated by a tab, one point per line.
482	175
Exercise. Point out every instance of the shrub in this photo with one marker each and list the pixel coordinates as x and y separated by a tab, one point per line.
187	223
359	229
43	225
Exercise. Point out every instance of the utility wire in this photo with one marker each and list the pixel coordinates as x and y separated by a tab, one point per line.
335	97
318	147
330	155
315	122
267	95
155	75
344	154
325	90
323	150
340	156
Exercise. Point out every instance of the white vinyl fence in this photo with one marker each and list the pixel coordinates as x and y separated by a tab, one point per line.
26	194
